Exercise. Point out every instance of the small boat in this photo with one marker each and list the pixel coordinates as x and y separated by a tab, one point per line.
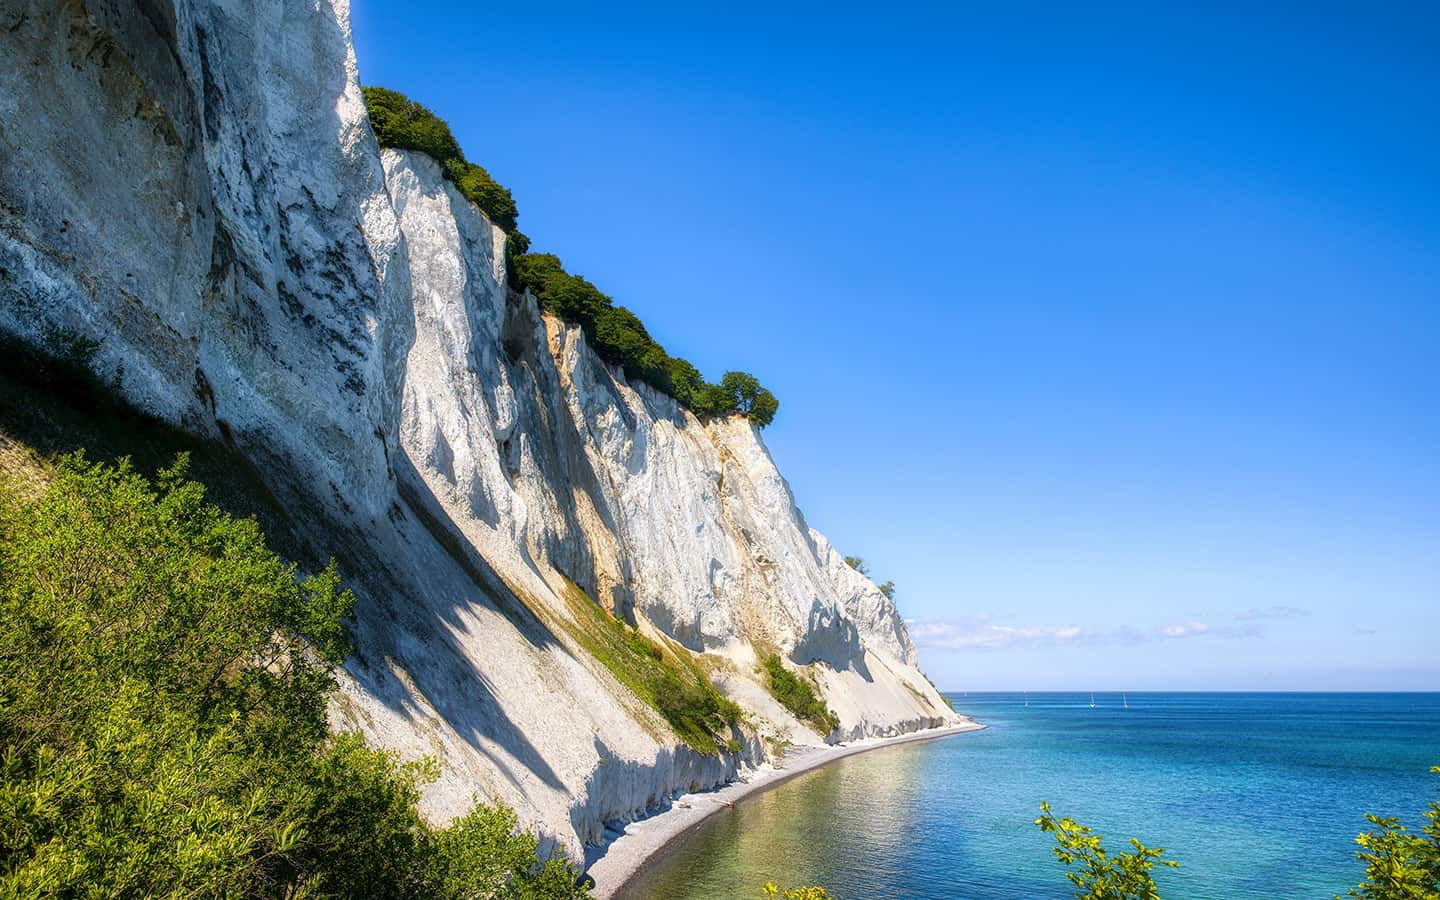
1092	699
1027	699
1124	699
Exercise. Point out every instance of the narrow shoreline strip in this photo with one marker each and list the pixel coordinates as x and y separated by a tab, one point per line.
644	839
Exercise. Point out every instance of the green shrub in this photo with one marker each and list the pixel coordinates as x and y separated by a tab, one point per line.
804	892
571	298
685	381
1400	865
619	337
712	400
798	695
163	686
1101	876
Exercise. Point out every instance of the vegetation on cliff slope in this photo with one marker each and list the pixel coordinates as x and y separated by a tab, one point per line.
664	678
616	333
163	685
799	696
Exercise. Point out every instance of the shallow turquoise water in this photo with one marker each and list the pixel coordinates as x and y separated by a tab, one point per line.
1256	795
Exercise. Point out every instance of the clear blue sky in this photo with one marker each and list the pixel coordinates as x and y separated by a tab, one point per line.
1111	335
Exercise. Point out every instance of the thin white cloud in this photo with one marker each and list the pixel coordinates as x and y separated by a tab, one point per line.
1186	629
1272	612
980	632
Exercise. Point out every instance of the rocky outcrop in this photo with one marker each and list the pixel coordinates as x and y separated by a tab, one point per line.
194	185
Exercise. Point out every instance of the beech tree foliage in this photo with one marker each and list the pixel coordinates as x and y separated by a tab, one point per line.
404	124
615	332
620	338
749	399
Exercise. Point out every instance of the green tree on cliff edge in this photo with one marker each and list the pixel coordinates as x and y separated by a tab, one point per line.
749	399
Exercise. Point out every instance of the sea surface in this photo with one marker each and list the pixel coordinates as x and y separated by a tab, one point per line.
1255	795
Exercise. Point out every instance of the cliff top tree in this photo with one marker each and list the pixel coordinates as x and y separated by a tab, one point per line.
402	123
749	399
616	333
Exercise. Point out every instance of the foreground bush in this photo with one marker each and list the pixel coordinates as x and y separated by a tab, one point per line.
798	695
1098	875
1400	865
163	684
810	892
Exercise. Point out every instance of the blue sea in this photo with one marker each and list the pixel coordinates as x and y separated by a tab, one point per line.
1255	795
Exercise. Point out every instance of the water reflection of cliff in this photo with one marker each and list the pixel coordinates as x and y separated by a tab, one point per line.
849	822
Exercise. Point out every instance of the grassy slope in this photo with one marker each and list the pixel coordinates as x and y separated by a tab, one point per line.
664	676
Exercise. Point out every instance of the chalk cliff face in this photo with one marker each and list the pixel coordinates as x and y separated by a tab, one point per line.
194	185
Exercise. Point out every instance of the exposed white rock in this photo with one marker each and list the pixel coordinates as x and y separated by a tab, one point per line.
193	183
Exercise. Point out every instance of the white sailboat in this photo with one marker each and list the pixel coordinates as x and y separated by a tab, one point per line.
1125	699
1092	699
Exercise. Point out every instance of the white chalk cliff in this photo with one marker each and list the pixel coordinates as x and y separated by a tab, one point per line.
194	184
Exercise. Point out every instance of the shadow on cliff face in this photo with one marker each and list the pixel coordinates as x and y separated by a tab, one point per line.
255	320
394	624
529	363
595	390
55	410
831	638
641	790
